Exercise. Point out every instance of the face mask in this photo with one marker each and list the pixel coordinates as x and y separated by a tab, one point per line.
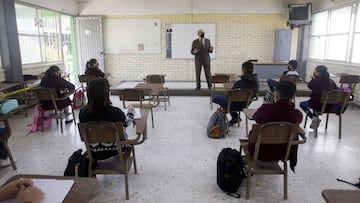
202	35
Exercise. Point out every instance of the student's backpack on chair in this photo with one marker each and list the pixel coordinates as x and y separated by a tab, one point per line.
230	171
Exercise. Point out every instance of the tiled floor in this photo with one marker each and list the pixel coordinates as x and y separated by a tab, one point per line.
178	161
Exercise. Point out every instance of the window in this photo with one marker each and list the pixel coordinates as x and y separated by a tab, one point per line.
355	58
331	33
39	34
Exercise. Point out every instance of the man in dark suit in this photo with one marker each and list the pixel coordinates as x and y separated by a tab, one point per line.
201	48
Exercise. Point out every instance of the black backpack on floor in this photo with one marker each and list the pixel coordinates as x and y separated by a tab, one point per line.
80	161
230	171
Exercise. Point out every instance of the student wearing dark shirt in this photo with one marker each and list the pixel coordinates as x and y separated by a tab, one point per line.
292	65
99	108
53	79
320	81
92	68
282	110
248	81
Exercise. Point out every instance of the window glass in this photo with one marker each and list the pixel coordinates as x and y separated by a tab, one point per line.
319	23
340	20
356	49
30	49
317	47
26	19
337	47
357	26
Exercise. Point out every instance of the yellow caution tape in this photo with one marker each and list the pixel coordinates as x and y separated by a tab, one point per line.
17	91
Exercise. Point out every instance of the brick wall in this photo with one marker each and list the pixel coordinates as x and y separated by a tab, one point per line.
239	37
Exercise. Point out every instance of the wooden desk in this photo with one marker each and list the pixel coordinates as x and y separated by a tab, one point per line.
82	190
248	116
153	89
6	86
341	196
141	127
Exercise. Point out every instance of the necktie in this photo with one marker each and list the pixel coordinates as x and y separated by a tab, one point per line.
202	41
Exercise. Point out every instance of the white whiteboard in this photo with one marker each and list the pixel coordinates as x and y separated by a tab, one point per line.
182	36
132	36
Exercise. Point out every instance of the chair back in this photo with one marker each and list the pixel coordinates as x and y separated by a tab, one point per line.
45	94
155	78
334	97
220	79
131	94
350	80
101	132
239	95
273	133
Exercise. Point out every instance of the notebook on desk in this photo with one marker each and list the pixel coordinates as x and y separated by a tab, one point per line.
137	112
54	190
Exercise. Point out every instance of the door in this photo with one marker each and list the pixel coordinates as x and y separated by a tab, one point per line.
90	43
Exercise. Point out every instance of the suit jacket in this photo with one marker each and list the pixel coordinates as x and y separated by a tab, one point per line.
203	54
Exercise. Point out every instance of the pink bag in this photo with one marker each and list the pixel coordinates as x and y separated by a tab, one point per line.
78	99
36	126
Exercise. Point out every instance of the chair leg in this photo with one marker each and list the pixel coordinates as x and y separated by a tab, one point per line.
152	117
13	164
61	121
316	127
327	119
127	181
285	180
306	117
238	121
340	123
133	151
248	182
73	114
246	127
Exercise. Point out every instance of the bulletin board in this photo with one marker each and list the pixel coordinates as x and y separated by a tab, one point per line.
132	36
182	36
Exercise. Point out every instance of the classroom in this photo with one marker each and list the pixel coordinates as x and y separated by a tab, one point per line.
176	161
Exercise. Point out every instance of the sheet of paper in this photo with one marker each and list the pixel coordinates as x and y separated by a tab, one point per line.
137	113
54	190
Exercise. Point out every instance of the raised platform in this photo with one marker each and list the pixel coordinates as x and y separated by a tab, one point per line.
187	88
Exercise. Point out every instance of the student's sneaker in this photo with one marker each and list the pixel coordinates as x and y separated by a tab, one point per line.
315	123
5	162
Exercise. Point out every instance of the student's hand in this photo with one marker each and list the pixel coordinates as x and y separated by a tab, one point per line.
12	188
29	194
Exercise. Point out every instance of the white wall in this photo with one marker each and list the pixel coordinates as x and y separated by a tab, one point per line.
148	7
65	6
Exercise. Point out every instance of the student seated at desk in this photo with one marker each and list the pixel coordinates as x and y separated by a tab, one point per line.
53	79
320	81
292	65
248	80
23	189
99	108
282	110
92	68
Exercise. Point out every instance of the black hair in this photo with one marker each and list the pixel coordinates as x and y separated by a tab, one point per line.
293	63
91	63
324	76
98	95
286	89
247	68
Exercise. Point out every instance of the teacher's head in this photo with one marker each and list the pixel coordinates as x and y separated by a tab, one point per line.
201	33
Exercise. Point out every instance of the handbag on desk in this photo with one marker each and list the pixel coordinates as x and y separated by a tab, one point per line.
8	106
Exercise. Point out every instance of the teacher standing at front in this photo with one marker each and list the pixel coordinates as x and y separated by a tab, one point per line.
201	48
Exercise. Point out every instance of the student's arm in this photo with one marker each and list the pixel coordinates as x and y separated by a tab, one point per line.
29	195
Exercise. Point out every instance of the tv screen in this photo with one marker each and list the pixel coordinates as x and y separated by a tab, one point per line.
299	13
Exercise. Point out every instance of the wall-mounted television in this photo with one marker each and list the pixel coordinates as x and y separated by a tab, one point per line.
299	14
